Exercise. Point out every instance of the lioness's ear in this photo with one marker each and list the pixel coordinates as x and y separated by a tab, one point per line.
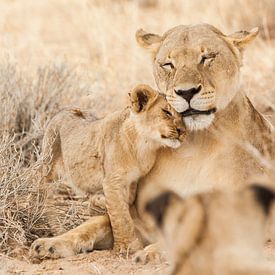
148	40
141	97
242	38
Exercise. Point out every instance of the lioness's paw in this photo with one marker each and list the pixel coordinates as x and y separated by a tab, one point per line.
50	248
129	247
149	254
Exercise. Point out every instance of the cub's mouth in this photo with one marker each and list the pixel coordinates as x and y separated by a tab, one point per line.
171	142
175	138
192	112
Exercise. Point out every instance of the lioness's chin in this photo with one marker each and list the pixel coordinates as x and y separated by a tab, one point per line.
172	143
198	122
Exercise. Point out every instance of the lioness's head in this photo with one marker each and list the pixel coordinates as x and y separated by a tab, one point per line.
155	118
220	219
197	68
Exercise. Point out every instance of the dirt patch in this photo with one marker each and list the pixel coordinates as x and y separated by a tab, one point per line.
97	262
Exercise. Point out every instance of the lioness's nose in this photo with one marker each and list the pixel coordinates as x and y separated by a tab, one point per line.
188	94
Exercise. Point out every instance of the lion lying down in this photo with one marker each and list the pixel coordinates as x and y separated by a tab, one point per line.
106	157
214	232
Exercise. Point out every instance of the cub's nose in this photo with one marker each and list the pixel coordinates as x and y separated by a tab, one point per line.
189	93
181	132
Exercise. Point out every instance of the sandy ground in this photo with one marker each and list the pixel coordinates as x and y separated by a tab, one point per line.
97	262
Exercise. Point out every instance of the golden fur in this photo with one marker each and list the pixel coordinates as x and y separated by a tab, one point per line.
95	233
200	56
107	157
225	148
216	154
226	129
214	233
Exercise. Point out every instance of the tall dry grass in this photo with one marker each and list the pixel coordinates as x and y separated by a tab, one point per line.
59	53
27	105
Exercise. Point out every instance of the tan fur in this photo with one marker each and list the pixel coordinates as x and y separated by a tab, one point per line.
219	151
96	233
225	149
109	156
217	155
197	56
213	233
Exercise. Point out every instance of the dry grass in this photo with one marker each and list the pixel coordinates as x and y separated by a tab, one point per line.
60	53
27	104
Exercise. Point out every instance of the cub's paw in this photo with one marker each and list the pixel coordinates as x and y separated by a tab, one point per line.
149	254
50	248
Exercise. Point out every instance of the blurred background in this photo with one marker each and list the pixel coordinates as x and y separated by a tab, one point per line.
83	52
97	38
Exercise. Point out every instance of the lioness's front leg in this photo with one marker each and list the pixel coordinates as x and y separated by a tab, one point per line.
95	233
116	190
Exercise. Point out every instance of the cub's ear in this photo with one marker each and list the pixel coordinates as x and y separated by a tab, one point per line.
242	38
142	96
148	40
157	207
264	196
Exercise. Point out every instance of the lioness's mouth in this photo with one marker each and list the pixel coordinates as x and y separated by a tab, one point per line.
191	112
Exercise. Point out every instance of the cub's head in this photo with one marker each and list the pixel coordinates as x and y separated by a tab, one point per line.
197	67
223	220
155	118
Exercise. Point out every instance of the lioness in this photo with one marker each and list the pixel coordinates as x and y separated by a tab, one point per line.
109	155
197	67
215	232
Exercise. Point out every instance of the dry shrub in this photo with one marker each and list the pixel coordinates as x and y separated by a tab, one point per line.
21	199
27	103
65	210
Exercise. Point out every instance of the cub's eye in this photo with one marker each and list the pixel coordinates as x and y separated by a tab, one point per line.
167	112
167	66
206	59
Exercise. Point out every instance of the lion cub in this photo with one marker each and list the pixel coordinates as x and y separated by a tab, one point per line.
215	233
106	157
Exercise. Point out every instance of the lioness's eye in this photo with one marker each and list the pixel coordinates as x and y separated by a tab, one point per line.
167	113
168	66
207	57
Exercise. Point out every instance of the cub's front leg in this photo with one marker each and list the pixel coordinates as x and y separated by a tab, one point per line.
116	190
95	233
